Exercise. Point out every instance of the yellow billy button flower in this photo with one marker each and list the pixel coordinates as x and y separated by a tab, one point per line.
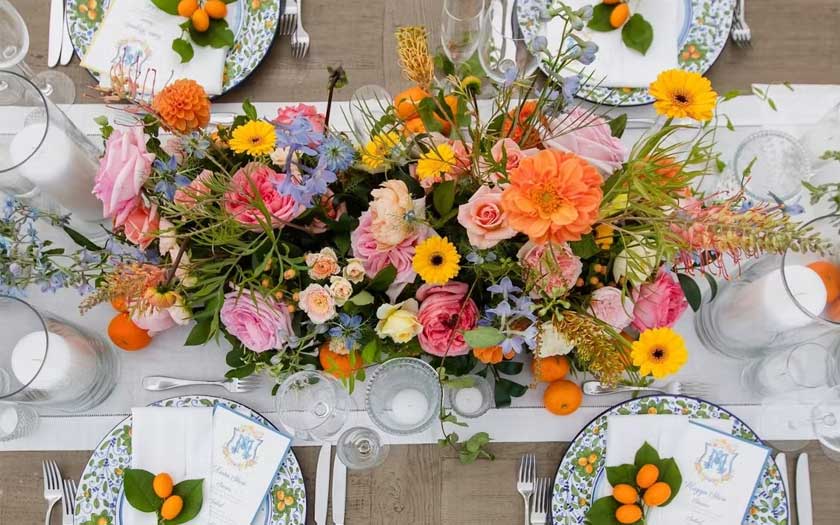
681	94
659	352
436	260
256	137
436	162
604	236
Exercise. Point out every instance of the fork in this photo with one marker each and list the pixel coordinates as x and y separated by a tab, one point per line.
674	388
741	34
300	38
52	486
69	487
236	386
539	516
525	485
288	20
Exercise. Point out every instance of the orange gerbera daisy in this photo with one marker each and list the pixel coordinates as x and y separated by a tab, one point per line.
553	196
183	106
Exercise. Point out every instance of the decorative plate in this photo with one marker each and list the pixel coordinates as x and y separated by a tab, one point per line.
575	484
703	37
253	22
100	500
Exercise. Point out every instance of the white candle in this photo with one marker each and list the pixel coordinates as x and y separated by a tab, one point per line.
409	407
469	400
60	168
70	361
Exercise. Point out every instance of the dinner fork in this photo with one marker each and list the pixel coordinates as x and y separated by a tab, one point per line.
525	485
69	489
288	20
674	388
741	34
539	516
236	386
300	38
52	486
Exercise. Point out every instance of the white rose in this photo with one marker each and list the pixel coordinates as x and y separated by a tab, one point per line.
354	271
637	261
398	321
341	289
553	342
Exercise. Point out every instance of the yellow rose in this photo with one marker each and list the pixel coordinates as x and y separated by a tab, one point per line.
398	321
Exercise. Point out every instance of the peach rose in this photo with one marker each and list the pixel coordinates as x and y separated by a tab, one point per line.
318	303
391	205
197	188
142	225
483	218
322	264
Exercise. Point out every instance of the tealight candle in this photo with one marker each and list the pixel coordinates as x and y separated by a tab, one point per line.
67	361
409	407
469	400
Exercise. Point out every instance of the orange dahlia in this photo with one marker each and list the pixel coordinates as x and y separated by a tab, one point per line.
183	106
524	132
553	196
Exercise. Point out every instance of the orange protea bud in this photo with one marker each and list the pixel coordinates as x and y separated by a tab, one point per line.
159	298
183	106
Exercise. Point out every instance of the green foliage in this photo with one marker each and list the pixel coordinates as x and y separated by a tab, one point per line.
382	280
637	34
622	474
646	455
192	493
483	337
618	125
184	49
443	197
691	291
218	35
168	6
601	17
139	491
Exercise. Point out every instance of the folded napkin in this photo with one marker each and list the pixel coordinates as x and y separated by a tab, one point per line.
140	34
173	440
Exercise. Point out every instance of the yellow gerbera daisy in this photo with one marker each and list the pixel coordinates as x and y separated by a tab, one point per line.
660	352
436	260
681	94
436	162
257	137
376	153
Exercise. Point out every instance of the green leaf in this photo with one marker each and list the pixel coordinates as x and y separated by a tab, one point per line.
510	368
729	125
511	388
184	49
585	247
239	373
618	125
362	298
637	33
217	35
169	6
444	196
483	337
601	18
602	512
646	455
691	291
383	279
713	285
622	474
371	352
729	95
235	356
192	493
200	333
80	239
772	104
477	441
249	109
426	109
139	491
669	473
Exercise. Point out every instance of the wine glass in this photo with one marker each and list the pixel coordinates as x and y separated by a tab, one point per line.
313	405
368	105
361	448
461	28
14	45
504	53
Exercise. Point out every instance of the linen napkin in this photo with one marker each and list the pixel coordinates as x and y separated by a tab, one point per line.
173	440
137	32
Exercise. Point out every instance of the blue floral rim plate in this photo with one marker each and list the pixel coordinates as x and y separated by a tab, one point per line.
99	498
703	37
254	24
575	482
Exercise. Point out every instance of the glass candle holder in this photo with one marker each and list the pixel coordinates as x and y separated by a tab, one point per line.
313	405
17	421
361	448
474	400
777	164
47	361
805	366
403	396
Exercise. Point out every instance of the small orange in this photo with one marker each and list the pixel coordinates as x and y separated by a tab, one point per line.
628	514
162	485
832	311
120	303
186	8
200	20
216	9
626	494
619	15
562	397
548	369
657	494
647	476
830	275
171	507
127	335
337	364
414	126
407	101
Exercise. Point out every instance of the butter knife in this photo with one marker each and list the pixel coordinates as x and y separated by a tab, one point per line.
781	465
56	27
339	491
322	485
66	44
804	509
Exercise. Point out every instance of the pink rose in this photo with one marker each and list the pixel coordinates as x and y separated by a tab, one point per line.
333	212
658	304
197	188
588	136
239	200
439	316
463	158
508	148
123	169
609	306
261	323
483	218
142	225
550	268
287	114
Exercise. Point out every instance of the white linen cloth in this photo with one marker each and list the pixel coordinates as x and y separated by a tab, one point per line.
178	441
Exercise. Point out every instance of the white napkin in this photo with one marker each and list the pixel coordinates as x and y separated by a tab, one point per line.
137	30
173	440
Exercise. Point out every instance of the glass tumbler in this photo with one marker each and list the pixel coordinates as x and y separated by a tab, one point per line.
313	405
361	448
777	165
473	400
16	421
368	105
805	366
403	396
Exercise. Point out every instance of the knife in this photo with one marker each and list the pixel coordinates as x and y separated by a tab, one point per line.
339	491
805	511
66	44
781	465
56	27
322	485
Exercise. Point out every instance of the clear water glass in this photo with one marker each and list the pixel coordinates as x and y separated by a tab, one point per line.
822	137
778	164
805	366
17	421
473	400
403	396
504	53
461	28
368	105
361	448
313	405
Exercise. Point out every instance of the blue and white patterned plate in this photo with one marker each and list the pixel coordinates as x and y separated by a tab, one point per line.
575	483
253	22
703	37
100	500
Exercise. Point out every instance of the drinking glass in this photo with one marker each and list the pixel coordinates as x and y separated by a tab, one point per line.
778	164
473	400
14	44
47	361
367	107
460	28
403	396
361	448
16	421
504	53
822	137
817	416
805	366
313	405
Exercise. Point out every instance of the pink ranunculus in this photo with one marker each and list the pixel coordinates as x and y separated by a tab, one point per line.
123	169
142	225
440	307
187	195
658	304
260	322
588	136
287	114
551	268
484	219
609	306
154	320
240	198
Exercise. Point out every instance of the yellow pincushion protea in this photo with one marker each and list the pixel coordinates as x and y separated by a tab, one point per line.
436	260
659	352
681	94
256	137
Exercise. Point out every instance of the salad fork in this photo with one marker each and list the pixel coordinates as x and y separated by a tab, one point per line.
539	516
69	500
236	386
741	34
52	486
674	388
525	485
300	38
288	20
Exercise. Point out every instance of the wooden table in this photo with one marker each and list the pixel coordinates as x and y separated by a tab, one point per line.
794	41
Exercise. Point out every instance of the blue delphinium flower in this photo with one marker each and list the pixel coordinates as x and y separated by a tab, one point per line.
8	208
504	287
52	284
571	85
312	182
165	167
338	153
298	136
510	75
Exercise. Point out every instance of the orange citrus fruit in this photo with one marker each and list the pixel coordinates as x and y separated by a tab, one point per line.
552	368
562	397
337	364
830	275
647	476
127	335
120	303
162	485
171	507
414	126
186	8
624	493
657	494
200	20
628	514
611	2
407	101
832	311
619	15
216	9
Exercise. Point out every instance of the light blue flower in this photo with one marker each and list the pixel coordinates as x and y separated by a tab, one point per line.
503	310
539	44
338	153
510	75
590	49
585	13
8	208
298	136
504	287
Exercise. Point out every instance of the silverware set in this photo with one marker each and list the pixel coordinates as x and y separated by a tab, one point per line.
534	490
741	34
60	49
236	386
322	484
56	490
674	388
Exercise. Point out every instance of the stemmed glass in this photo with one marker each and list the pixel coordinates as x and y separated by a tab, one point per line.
460	28
503	51
361	448
313	405
14	44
